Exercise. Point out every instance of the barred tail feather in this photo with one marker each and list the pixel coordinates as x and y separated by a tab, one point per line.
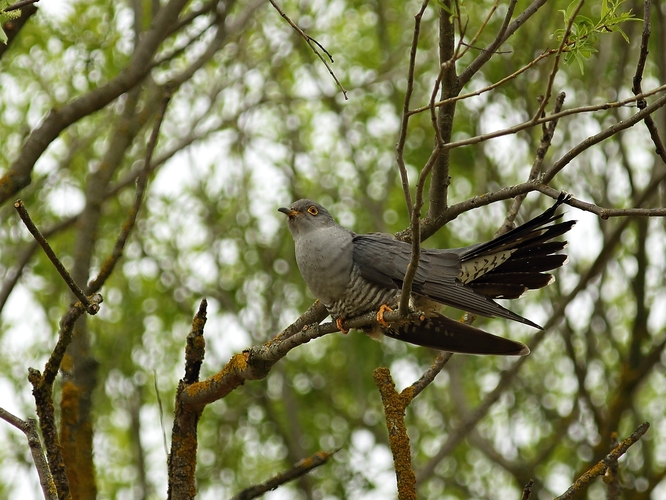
445	334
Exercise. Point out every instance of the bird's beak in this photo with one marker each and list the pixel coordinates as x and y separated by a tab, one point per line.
288	212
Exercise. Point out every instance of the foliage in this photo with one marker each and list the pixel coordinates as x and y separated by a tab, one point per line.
256	122
583	38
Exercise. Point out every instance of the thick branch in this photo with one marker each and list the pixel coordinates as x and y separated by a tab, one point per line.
394	410
182	461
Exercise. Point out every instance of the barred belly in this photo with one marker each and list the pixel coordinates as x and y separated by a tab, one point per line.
362	296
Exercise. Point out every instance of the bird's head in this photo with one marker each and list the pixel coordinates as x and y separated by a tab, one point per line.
305	216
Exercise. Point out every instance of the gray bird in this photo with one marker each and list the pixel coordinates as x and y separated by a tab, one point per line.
352	274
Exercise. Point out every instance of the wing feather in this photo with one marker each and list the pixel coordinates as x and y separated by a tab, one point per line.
384	260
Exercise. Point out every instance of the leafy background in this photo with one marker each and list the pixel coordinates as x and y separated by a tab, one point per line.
262	123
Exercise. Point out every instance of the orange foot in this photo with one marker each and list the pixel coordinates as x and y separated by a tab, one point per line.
338	323
380	315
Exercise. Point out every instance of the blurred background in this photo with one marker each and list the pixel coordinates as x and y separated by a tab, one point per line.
256	122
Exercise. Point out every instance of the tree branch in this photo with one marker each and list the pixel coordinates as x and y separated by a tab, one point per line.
142	181
29	428
314	45
91	307
606	462
19	174
298	470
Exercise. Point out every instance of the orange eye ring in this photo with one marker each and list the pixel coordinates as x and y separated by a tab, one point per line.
312	210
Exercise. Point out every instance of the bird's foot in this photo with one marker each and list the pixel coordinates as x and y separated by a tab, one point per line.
338	323
380	315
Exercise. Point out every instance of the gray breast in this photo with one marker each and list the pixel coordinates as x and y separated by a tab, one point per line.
362	296
324	257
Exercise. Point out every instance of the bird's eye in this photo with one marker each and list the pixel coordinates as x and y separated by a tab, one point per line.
313	210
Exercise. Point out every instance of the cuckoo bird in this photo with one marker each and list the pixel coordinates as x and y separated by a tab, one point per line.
353	274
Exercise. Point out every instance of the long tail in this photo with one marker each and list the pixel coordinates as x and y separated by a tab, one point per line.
445	334
526	253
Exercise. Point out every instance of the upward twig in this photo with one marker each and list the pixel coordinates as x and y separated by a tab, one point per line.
314	45
91	307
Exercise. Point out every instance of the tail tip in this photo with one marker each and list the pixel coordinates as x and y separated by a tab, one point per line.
524	351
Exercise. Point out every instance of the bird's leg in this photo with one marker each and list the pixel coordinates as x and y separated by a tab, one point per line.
338	323
380	315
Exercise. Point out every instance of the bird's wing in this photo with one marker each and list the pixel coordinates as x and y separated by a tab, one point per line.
384	260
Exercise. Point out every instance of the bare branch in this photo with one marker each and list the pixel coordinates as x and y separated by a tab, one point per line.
609	459
394	411
142	181
19	174
91	307
483	26
400	148
556	63
429	375
604	134
489	87
548	129
298	470
43	393
12	28
505	32
638	77
196	345
182	461
256	362
527	490
29	428
313	45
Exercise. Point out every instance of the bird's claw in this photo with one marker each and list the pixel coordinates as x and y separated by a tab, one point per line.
380	315
338	323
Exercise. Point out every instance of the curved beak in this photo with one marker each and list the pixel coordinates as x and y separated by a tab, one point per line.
288	212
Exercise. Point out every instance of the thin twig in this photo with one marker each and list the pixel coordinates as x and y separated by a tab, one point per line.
90	307
402	138
429	375
527	490
607	213
573	111
298	470
504	32
601	136
142	180
313	45
415	213
638	77
642	55
556	63
29	428
160	408
548	129
609	459
488	88
483	26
